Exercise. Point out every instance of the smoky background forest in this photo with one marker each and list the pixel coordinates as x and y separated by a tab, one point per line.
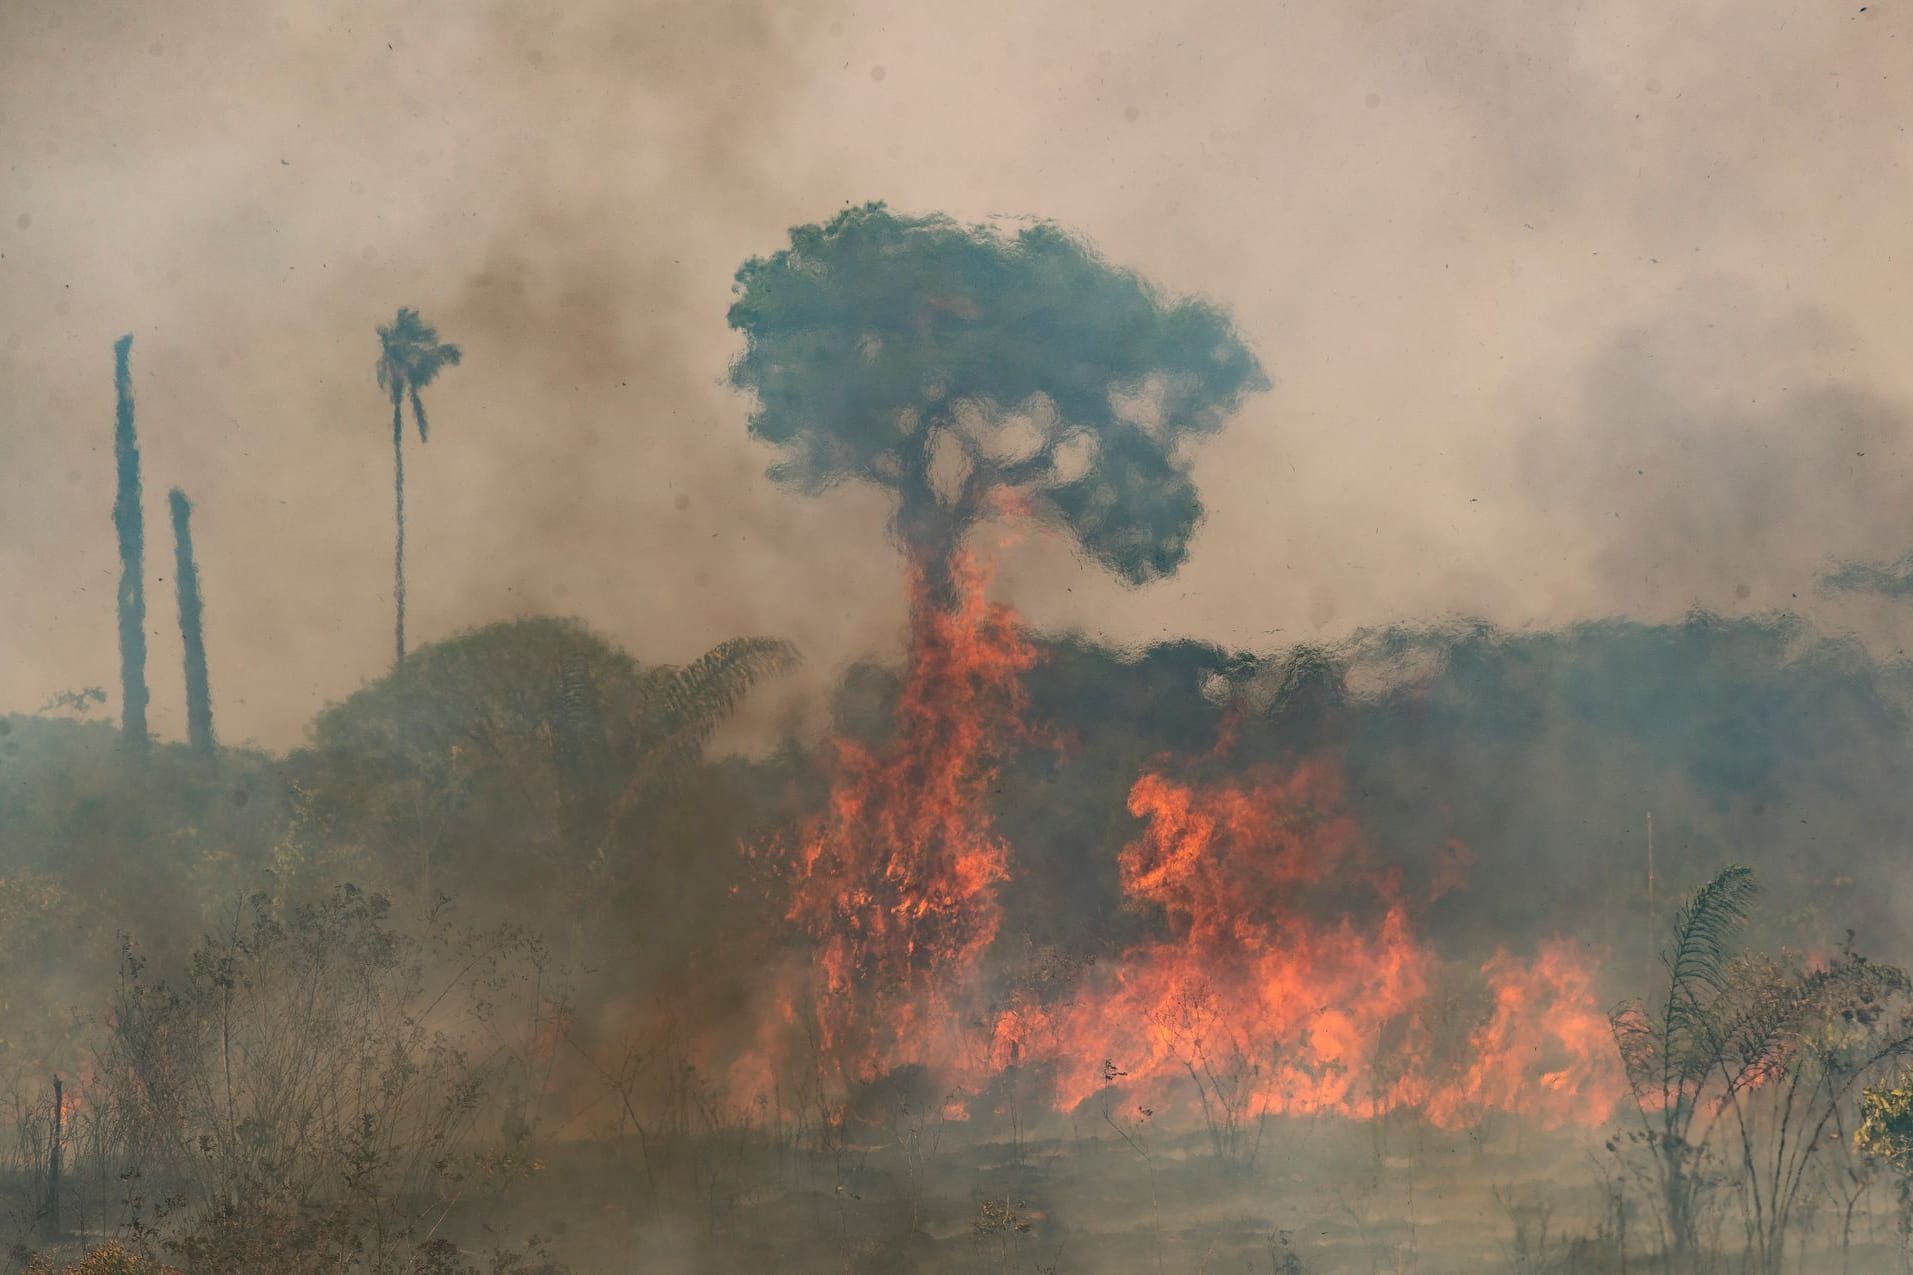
667	637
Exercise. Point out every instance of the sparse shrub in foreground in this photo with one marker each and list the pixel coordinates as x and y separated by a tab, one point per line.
305	1092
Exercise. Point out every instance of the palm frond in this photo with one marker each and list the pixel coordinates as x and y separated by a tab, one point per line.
410	359
418	412
1697	1024
1703	926
429	360
1639	1046
689	703
683	707
408	329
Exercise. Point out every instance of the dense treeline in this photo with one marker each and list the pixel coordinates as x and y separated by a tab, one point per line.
533	774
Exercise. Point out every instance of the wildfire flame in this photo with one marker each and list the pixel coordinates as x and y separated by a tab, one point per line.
1247	986
1285	975
895	880
1290	979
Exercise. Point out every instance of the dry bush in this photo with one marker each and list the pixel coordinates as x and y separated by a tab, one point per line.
312	1092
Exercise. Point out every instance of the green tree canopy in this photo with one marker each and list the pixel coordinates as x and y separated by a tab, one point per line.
970	372
520	749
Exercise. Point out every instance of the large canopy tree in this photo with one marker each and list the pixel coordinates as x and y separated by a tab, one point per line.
972	372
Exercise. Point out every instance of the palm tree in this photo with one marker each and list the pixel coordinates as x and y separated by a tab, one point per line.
410	357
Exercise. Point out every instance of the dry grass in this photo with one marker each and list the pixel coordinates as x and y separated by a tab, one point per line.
110	1258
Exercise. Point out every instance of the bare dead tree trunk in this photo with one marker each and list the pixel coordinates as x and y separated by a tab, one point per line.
130	528
192	630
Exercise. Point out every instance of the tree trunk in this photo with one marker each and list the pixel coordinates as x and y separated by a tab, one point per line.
929	532
129	524
192	635
398	493
579	754
54	1161
933	566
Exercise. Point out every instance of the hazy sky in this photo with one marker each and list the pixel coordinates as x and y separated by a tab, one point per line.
1571	309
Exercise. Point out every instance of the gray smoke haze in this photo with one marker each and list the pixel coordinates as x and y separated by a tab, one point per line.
1576	310
1726	467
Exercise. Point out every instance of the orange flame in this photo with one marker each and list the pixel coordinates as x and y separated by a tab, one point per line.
895	880
1291	980
1545	1052
1247	985
1285	975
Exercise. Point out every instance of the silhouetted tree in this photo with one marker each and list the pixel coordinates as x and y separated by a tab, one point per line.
1770	1055
410	358
130	526
1822	1031
973	373
1679	1057
192	636
531	734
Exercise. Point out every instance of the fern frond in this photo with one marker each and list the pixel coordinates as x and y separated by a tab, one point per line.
692	701
1704	925
1638	1045
682	708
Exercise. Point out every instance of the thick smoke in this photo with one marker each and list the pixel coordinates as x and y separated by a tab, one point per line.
1581	327
1431	222
1706	459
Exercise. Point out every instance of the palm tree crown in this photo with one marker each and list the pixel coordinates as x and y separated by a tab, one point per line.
410	357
